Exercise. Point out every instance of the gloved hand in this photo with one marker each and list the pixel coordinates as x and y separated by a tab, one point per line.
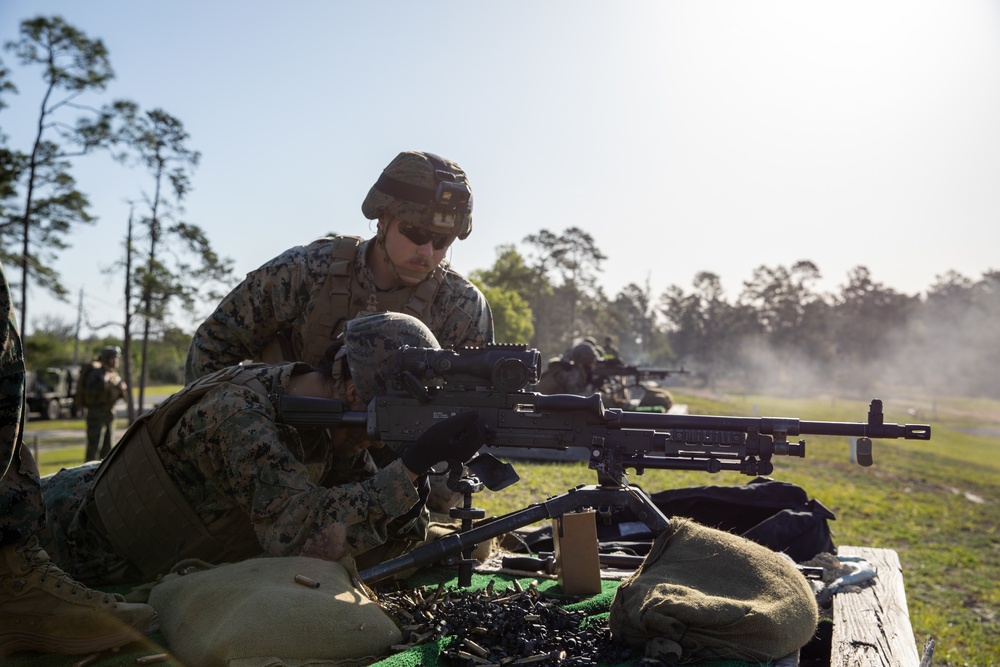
400	522
455	439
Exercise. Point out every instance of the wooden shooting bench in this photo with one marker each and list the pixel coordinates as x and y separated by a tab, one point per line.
871	628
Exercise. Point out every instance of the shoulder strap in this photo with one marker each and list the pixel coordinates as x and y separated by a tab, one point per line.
422	296
417	300
333	300
328	301
338	282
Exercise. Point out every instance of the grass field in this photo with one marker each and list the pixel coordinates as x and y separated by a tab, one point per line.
937	502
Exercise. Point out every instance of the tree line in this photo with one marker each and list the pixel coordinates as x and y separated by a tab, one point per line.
165	260
778	334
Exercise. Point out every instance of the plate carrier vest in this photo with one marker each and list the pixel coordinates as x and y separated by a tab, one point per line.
135	504
332	306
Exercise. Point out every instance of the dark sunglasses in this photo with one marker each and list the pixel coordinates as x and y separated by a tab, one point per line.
421	236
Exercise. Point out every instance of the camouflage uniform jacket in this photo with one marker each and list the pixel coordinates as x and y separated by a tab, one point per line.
226	453
310	292
11	379
563	378
102	388
21	510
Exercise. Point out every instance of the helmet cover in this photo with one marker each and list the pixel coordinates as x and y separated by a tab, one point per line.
584	353
425	190
371	342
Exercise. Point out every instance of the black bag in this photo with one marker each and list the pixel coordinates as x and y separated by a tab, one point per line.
801	533
778	515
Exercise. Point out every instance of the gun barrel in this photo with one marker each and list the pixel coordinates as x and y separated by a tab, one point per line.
784	426
318	412
662	372
866	430
666	422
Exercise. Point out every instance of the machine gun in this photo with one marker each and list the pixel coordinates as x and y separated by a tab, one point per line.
617	383
615	369
431	385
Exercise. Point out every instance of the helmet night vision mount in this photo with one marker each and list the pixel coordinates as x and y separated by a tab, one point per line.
449	202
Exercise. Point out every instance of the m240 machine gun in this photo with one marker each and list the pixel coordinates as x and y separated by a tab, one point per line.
631	375
618	383
434	384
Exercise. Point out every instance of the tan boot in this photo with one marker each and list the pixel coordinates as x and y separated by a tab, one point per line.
44	609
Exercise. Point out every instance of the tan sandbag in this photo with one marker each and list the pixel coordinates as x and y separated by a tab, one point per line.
255	614
703	593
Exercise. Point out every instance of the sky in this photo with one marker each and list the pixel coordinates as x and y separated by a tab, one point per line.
717	135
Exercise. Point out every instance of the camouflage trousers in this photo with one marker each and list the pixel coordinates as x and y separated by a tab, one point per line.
22	512
69	537
100	433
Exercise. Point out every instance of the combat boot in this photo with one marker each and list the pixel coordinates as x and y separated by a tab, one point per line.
44	609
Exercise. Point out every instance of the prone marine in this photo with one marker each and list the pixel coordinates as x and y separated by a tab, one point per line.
211	473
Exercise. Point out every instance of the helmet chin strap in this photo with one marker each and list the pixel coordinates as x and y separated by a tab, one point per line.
401	273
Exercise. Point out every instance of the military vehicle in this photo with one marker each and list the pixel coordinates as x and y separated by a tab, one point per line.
50	391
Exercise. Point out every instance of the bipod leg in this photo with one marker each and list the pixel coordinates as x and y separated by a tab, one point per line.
466	513
571	501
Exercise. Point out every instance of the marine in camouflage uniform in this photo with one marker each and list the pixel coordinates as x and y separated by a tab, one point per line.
256	485
571	375
103	388
295	305
41	607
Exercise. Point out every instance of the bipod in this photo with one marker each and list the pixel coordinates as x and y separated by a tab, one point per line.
602	497
466	485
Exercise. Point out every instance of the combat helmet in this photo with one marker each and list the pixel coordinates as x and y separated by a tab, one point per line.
372	341
584	354
424	190
109	352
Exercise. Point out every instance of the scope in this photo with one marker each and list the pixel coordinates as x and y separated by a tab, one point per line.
507	367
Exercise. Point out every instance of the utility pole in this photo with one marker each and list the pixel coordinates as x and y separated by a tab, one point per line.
76	333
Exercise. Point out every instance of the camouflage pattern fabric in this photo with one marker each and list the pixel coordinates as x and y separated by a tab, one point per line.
282	294
300	495
21	509
103	389
563	378
372	342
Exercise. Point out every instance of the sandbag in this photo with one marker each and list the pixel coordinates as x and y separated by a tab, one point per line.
255	614
703	593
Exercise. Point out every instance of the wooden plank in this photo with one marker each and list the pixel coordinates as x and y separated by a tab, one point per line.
871	628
